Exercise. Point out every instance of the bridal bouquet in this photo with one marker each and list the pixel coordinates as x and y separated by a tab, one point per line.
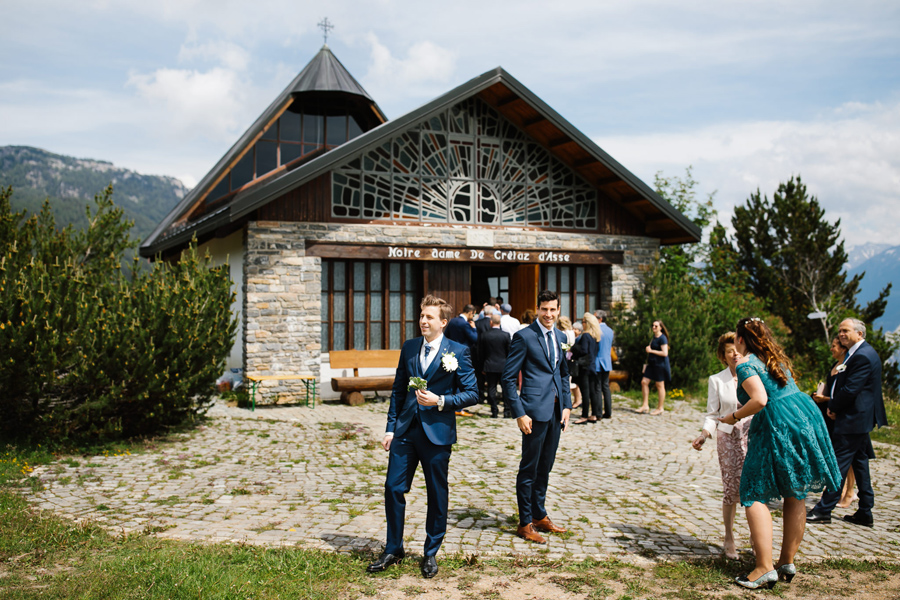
566	347
417	383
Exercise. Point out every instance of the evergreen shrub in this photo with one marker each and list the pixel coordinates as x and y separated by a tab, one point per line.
90	352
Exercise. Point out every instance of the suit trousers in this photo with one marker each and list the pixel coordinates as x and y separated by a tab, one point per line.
851	450
406	452
603	381
538	454
589	384
492	380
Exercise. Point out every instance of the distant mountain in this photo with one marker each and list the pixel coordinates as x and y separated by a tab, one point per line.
71	183
857	255
881	269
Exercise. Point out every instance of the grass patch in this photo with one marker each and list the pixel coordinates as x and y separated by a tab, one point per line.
890	434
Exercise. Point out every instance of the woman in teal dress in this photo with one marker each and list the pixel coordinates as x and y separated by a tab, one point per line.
789	453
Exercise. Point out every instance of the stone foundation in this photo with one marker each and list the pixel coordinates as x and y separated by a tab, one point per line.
282	286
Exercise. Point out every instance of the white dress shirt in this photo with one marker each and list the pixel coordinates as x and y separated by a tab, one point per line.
721	400
435	347
509	324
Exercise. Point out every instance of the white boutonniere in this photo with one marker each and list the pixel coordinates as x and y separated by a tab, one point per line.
449	362
841	368
565	347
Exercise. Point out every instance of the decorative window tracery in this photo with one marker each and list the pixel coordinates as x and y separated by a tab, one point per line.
464	165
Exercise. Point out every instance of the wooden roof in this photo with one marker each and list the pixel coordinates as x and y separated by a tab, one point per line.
516	103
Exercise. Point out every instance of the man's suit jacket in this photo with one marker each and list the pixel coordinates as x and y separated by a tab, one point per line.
458	388
493	347
542	382
857	400
482	326
604	353
459	330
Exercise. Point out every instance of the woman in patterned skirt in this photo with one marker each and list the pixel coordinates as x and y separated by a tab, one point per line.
731	440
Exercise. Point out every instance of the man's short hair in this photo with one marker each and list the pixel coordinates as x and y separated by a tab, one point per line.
488	310
495	319
446	308
859	326
600	314
468	308
578	326
547	296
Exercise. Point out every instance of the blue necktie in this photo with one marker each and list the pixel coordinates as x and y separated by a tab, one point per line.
550	352
425	358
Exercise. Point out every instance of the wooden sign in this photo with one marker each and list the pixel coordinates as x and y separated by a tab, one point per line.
457	254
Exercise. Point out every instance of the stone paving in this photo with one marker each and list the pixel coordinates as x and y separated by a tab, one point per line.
314	477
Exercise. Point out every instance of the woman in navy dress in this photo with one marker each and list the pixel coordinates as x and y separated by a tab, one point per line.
657	368
789	452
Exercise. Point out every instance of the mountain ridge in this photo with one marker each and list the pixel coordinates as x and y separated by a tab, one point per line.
70	183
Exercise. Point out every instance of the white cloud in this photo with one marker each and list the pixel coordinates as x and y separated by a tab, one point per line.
849	159
424	71
193	103
229	55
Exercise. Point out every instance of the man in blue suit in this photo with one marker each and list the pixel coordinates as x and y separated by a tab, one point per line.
604	362
541	411
857	406
421	428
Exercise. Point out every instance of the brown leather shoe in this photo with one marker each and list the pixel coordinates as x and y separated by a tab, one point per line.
528	532
546	524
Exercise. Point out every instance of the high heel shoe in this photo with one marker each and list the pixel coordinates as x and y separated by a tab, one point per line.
787	572
766	579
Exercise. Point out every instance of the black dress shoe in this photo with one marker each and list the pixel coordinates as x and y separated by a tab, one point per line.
816	517
384	561
858	519
429	567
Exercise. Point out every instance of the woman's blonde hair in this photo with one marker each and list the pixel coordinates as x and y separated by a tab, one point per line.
724	340
565	324
592	326
759	341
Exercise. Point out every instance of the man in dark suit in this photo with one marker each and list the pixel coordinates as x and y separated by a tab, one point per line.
493	347
421	427
541	411
482	326
461	329
857	406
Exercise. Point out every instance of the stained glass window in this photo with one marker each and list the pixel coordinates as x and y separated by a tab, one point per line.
464	165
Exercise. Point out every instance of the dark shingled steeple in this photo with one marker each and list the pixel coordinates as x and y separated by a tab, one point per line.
325	73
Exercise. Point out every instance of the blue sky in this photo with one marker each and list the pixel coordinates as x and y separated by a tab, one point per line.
748	93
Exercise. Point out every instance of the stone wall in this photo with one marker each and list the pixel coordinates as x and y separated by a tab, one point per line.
282	290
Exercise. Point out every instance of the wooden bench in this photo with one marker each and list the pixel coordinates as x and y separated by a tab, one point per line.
308	382
351	387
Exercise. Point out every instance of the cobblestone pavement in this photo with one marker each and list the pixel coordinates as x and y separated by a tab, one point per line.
314	477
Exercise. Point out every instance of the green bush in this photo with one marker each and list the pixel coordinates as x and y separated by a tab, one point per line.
91	352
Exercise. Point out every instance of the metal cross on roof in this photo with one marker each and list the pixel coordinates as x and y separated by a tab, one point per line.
326	26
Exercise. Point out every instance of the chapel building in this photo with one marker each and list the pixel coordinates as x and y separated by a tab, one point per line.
336	221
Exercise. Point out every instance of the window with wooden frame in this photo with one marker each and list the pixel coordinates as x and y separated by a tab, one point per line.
369	305
578	287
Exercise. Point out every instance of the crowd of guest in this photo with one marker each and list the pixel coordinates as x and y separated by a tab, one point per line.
773	441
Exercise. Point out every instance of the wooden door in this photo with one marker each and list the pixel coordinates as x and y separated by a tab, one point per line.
449	281
523	288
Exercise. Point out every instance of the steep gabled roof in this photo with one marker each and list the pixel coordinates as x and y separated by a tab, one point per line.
517	103
323	75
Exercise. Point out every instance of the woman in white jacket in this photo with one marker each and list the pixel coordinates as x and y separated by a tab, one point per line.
731	440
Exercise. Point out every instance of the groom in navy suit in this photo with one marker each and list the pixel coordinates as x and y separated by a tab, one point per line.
857	406
421	428
541	411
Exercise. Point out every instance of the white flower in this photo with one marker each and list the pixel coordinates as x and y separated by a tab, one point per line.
449	362
841	368
565	347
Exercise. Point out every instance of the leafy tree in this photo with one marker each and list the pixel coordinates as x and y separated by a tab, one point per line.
794	260
681	192
91	353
